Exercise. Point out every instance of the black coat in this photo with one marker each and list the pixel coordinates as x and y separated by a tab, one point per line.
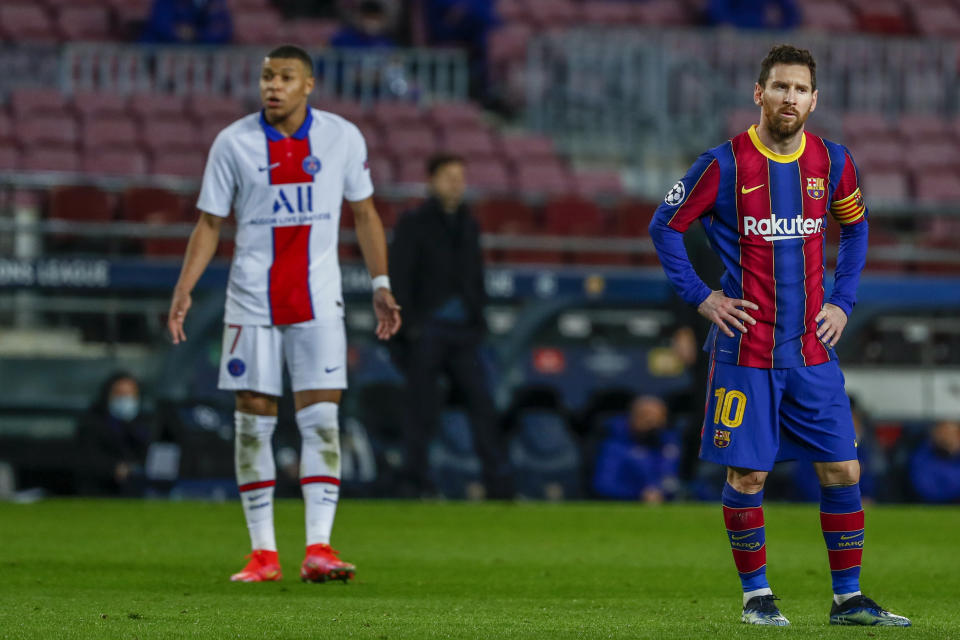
436	256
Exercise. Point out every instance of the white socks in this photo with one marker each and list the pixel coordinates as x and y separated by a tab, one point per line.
256	475
840	598
319	468
765	591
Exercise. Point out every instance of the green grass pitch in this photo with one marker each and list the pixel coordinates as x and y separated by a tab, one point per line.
118	569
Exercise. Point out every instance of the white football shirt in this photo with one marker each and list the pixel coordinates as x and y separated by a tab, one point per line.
286	193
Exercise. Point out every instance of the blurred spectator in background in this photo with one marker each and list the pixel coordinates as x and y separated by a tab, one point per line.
638	460
368	24
436	268
113	439
753	14
188	22
465	24
935	466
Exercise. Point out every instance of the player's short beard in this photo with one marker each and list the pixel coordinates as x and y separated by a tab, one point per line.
782	129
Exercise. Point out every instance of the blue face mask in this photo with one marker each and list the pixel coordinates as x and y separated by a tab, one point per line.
124	408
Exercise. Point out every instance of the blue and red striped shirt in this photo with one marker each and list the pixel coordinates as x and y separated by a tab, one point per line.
765	215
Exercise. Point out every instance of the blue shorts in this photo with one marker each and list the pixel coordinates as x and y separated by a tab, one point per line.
755	417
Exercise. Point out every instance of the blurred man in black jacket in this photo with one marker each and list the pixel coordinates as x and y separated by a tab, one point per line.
436	269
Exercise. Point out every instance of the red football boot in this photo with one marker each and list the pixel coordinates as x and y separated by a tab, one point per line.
322	564
264	566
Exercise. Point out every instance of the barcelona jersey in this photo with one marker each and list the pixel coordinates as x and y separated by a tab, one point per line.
765	215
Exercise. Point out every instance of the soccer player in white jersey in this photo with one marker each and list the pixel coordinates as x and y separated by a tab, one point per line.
285	172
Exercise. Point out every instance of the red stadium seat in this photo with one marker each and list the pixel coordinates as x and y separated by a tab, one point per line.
471	144
632	217
37	102
411	168
496	214
139	204
608	13
311	34
209	129
923	127
593	184
257	27
858	125
527	148
464	115
418	140
571	214
119	162
489	175
387	212
553	13
84	22
544	178
827	15
80	204
187	164
936	188
881	16
151	106
6	129
50	159
886	187
26	22
940	19
49	131
517	255
392	115
508	44
349	109
95	104
9	158
219	107
881	153
162	136
739	120
512	11
381	171
932	154
665	13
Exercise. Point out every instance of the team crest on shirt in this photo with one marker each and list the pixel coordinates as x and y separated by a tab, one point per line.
236	367
721	438
676	195
815	188
311	165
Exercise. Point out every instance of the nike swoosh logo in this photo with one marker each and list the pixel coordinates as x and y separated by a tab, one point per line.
742	537
330	369
850	537
270	166
744	189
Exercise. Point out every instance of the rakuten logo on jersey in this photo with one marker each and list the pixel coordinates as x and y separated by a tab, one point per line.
775	228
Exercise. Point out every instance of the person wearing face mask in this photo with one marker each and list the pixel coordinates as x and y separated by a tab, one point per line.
639	458
113	437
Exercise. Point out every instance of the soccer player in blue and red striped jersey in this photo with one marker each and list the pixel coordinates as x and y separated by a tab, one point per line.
764	199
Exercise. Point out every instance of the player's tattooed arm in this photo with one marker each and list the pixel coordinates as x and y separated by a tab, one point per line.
727	312
834	321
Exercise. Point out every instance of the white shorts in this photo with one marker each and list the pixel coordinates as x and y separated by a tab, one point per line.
315	352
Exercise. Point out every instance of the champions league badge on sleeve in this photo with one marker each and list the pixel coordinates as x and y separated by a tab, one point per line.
676	195
311	165
236	367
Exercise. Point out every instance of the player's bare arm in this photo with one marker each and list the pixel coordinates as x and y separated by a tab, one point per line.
726	312
373	246
834	322
200	249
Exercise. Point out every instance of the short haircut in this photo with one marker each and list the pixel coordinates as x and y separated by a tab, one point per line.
788	54
291	52
439	160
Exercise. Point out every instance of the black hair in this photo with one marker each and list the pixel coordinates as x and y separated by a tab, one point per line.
293	52
439	160
788	54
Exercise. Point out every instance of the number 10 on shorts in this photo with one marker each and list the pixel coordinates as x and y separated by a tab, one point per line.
725	411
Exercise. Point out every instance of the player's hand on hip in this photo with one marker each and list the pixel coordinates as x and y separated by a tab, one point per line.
834	321
388	313
727	312
178	313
